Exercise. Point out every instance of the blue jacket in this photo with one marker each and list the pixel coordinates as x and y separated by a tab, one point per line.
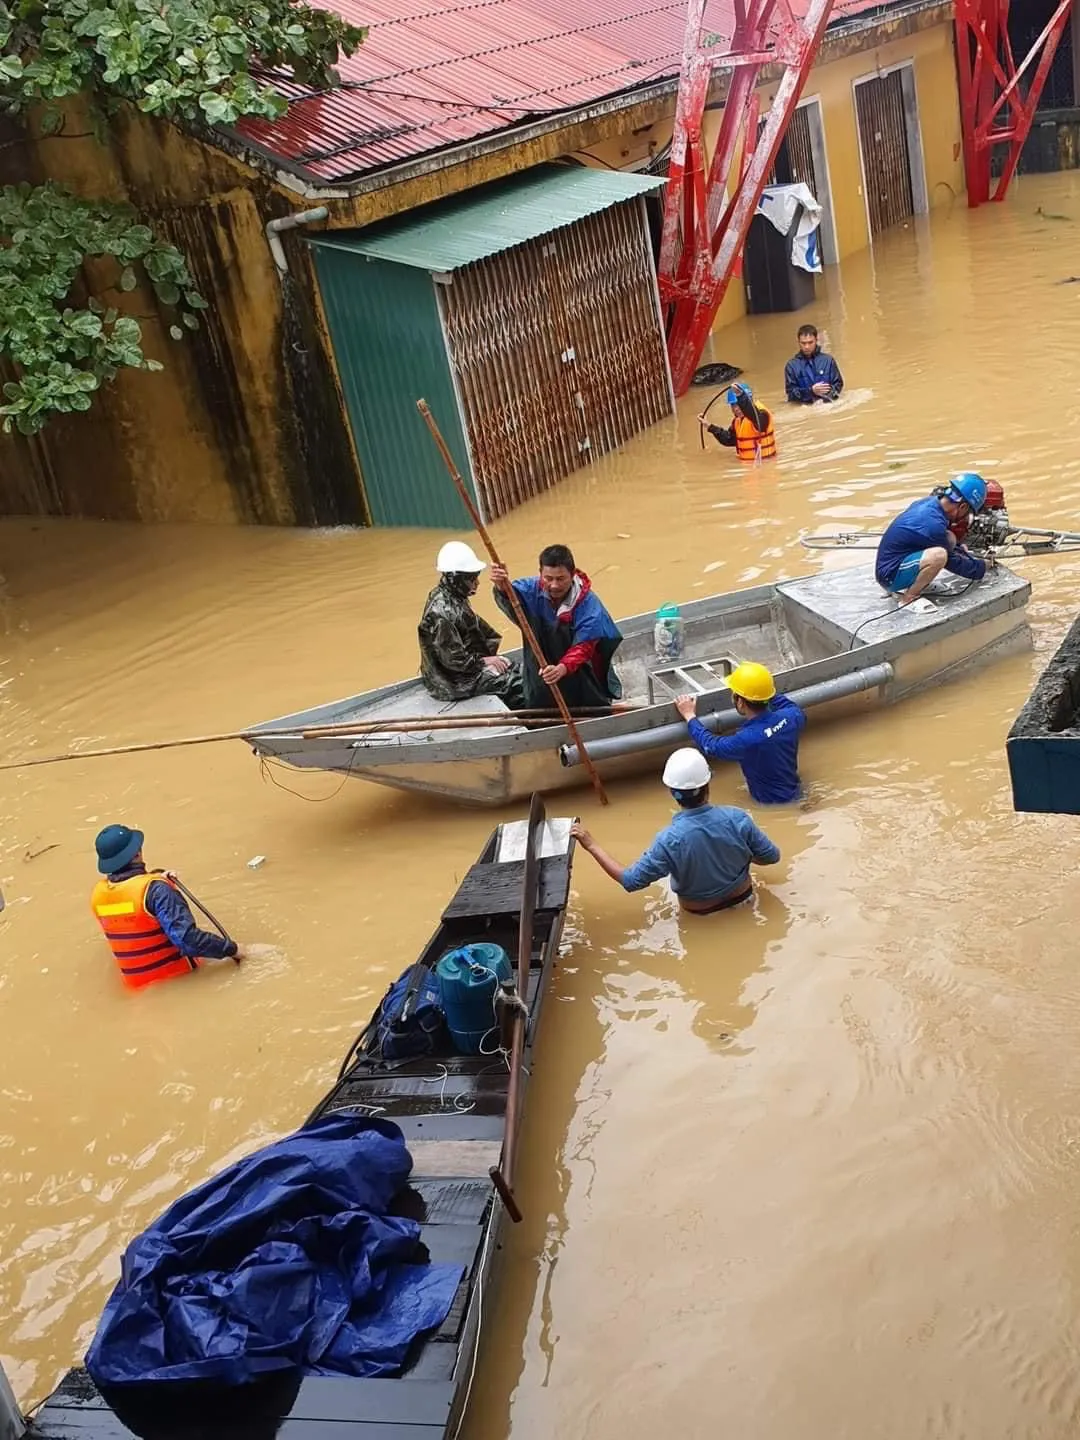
802	372
587	622
767	748
170	910
707	852
922	526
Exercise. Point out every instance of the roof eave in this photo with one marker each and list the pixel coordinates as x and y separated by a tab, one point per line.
904	17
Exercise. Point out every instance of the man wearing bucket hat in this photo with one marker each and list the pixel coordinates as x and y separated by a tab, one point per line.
919	543
707	850
145	919
458	648
751	433
766	745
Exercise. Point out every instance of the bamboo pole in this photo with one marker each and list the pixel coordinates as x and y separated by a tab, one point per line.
144	746
511	594
403	725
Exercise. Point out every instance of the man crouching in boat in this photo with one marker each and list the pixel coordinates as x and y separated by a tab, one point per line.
576	633
458	647
150	929
707	849
919	543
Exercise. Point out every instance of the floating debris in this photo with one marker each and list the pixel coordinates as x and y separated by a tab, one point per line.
715	374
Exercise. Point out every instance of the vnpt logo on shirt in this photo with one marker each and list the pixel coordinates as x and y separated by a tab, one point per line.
771	730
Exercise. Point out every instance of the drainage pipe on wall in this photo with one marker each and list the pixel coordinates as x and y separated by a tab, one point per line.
290	222
665	736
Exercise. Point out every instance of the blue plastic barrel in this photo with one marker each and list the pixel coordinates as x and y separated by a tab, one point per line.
468	978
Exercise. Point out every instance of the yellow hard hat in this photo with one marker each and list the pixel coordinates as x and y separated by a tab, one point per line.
752	681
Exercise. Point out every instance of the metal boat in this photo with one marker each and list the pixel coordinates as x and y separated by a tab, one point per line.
835	641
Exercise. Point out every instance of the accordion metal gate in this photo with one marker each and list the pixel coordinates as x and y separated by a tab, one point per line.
557	352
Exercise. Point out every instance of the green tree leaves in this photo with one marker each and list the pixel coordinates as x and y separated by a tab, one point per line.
63	354
201	62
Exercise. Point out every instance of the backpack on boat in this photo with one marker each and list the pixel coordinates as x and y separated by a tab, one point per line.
410	1021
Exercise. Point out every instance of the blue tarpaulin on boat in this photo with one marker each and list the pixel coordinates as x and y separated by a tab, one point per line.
287	1259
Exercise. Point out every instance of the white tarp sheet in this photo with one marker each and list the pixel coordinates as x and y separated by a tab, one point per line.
779	203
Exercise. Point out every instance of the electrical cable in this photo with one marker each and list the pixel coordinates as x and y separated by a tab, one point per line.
951	595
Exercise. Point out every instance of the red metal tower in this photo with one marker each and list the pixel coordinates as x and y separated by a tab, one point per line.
990	80
705	229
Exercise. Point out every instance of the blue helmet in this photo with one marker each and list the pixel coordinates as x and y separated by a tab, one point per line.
970	488
737	390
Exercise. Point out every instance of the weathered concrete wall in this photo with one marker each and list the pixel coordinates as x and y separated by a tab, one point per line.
244	423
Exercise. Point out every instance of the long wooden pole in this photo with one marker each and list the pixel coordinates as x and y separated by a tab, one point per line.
502	1175
403	725
511	594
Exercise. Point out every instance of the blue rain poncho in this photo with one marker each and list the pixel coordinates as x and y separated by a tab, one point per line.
286	1260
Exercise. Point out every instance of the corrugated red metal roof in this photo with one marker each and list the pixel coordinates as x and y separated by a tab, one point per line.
437	73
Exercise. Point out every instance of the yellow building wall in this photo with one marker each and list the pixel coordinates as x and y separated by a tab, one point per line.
929	50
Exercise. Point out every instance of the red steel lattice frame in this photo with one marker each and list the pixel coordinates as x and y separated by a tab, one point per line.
990	80
704	233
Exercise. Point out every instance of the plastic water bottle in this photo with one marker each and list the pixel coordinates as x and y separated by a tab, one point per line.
668	633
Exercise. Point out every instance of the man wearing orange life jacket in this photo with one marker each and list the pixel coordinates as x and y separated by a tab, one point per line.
150	929
751	432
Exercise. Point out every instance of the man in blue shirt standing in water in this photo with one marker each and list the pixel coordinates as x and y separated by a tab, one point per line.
766	746
919	544
707	849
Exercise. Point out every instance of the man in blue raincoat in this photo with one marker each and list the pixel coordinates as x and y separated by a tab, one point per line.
575	632
812	374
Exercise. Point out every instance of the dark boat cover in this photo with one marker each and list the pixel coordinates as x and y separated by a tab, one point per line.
286	1260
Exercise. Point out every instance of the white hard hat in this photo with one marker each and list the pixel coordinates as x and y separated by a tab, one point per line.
457	558
687	770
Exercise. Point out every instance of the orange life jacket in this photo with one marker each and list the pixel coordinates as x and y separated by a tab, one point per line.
142	949
750	441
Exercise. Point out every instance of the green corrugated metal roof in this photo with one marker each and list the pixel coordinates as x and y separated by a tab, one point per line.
452	233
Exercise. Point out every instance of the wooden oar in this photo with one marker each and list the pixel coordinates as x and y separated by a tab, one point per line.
502	1175
511	594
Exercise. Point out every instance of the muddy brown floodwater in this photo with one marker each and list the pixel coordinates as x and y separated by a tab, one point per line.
812	1171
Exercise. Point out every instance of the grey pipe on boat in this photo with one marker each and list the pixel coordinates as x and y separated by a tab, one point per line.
720	721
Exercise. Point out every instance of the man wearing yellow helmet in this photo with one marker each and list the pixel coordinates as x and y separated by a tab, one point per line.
766	745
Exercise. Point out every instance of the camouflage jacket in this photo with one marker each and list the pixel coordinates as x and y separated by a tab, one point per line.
453	643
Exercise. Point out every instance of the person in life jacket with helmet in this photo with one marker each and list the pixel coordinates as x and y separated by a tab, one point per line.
751	432
766	745
150	929
458	648
707	849
921	541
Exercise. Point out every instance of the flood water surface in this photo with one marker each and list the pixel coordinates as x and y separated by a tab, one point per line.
810	1170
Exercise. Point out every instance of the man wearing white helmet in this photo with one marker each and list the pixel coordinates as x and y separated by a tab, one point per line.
707	849
458	648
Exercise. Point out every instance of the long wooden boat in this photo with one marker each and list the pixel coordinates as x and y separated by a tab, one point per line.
834	639
460	1115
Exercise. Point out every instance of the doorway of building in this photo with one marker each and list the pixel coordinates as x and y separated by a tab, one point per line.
803	160
890	148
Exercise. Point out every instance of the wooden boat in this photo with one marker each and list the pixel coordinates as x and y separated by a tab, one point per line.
460	1115
835	638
